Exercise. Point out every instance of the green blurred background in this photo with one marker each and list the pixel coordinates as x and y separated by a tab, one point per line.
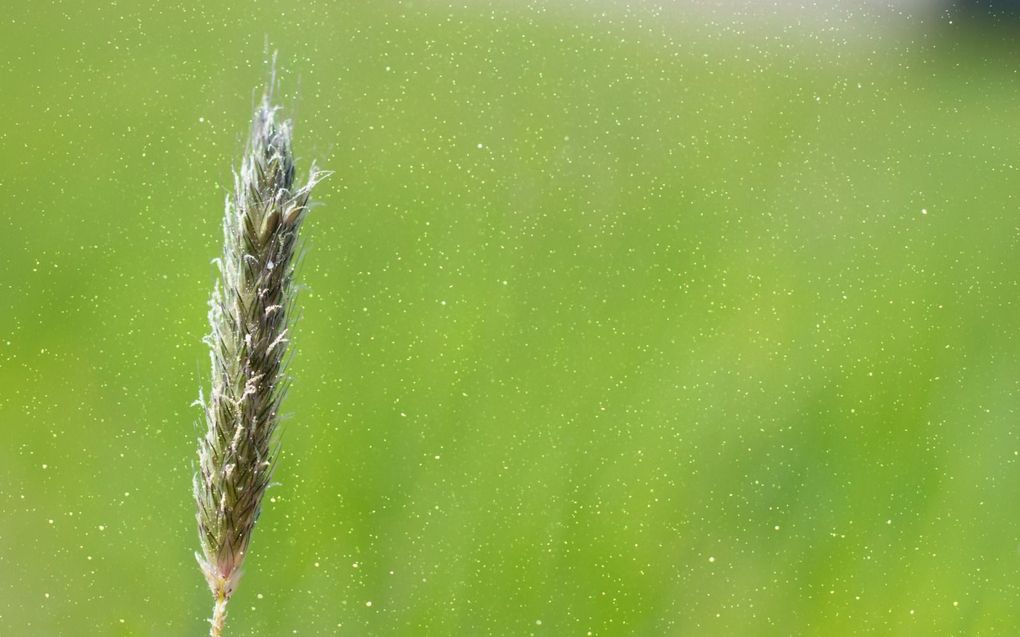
618	321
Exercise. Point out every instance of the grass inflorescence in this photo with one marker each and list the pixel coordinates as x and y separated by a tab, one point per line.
250	316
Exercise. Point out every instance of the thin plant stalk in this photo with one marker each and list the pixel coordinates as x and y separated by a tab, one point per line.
250	319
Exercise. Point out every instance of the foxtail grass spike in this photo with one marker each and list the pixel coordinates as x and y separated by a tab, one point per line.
250	315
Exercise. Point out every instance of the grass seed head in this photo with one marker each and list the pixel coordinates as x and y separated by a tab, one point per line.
249	319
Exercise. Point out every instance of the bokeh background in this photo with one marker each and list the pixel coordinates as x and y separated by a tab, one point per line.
620	319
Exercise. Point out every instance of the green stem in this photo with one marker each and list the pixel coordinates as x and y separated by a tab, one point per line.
219	617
